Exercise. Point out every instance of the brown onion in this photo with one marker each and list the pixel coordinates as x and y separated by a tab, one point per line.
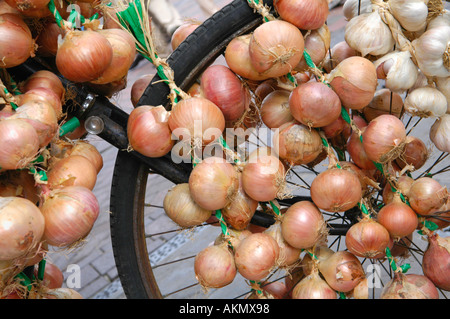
336	190
181	33
402	185
303	225
20	143
213	183
398	218
357	153
355	82
239	212
297	144
148	130
214	266
256	256
31	8
53	276
427	194
288	255
314	104
73	170
409	286
306	15
384	102
275	109
384	138
276	47
16	42
367	238
317	44
342	271
70	213
222	87
436	261
19	183
313	287
45	79
198	120
83	56
182	209
263	177
139	86
339	52
44	95
61	293
415	154
88	150
21	227
47	40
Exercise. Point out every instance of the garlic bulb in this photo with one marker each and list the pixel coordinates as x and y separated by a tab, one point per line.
426	101
440	133
420	82
441	20
368	34
398	70
412	14
353	8
432	51
443	85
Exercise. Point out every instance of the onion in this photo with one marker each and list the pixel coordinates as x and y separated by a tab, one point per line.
275	48
222	87
357	153
336	190
123	55
256	256
70	213
274	290
214	267
31	8
148	130
213	183
139	86
42	94
182	209
402	185
263	177
239	212
275	109
415	154
303	225
237	57
436	261
83	56
53	276
86	149
398	218
47	40
61	293
233	237
384	102
20	143
288	255
16	42
409	286
306	15
297	144
384	138
427	194
21	227
314	104
335	128
181	33
19	183
440	133
266	87
44	79
313	287
355	81
317	44
198	120
342	271
400	248
367	238
314	256
73	170
42	116
339	52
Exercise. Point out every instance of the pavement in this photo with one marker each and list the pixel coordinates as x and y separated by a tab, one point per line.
95	260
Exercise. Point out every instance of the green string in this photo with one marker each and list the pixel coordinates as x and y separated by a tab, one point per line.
55	12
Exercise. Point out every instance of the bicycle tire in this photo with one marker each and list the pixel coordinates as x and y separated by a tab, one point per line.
129	178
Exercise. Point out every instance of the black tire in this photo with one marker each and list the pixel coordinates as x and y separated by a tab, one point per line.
200	49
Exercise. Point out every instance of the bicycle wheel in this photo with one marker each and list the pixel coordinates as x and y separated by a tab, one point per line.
132	193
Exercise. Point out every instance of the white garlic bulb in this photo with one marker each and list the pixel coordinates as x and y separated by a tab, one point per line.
412	14
440	133
353	8
432	51
443	85
368	34
426	101
398	70
441	20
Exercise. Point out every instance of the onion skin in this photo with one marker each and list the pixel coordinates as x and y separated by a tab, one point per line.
415	154
336	190
303	225
44	79
398	218
313	287
357	153
306	15
256	256
69	213
409	286
436	261
426	195
214	267
44	95
21	227
73	170
275	109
